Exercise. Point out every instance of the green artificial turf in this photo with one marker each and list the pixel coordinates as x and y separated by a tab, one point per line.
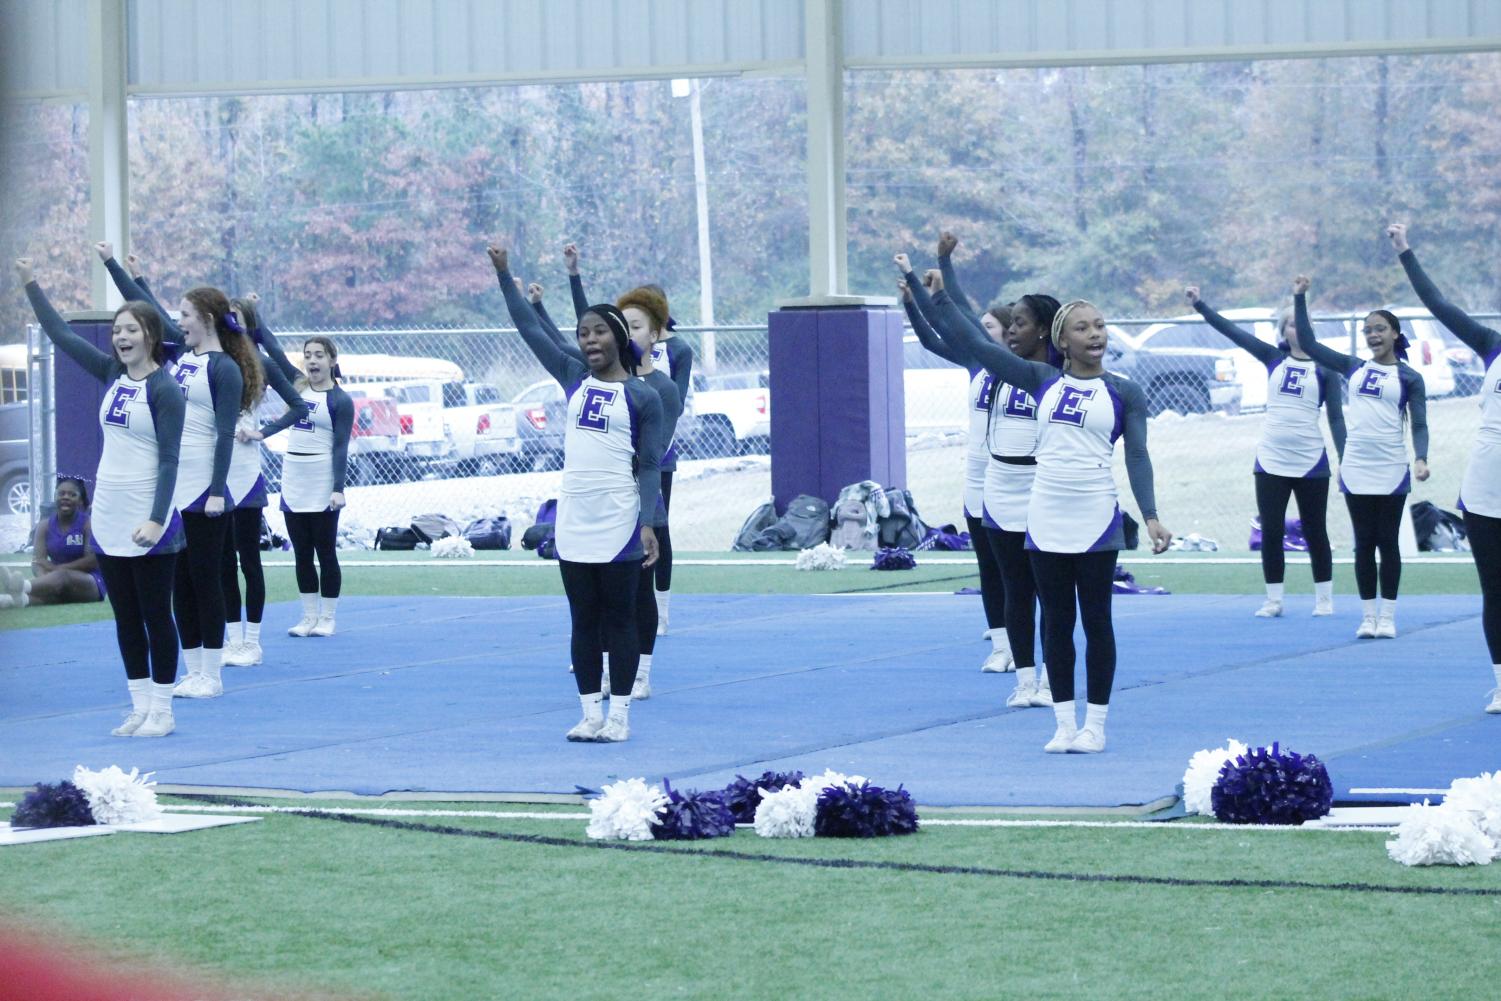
312	903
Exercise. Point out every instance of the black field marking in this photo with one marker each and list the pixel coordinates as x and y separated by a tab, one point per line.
910	583
941	870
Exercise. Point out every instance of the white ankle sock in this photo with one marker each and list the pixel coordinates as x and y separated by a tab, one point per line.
1370	607
999	641
594	705
644	671
329	605
1323	590
140	694
620	708
664	599
1026	677
161	698
1274	592
253	633
1063	712
234	633
1497	669
1094	717
309	605
192	658
1389	608
213	664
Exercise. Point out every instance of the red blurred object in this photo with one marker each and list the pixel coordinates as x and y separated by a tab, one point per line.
537	417
406	423
482	425
1427	353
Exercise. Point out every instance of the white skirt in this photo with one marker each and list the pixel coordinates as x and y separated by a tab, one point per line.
245	487
599	526
1008	491
1480	492
974	483
195	473
1078	515
307	483
119	508
1372	474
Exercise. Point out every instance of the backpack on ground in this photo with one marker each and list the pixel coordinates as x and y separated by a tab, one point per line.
850	518
489	533
762	518
432	527
397	539
1437	530
542	529
804	526
902	528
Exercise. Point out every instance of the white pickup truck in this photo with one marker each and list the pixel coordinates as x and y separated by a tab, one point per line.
462	424
732	414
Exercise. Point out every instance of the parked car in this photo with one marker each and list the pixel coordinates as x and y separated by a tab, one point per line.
1467	366
936	391
375	454
732	414
1183	367
1428	353
482	427
541	410
15	459
420	410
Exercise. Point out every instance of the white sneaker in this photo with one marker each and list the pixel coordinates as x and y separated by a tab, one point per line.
586	729
243	655
1042	696
131	725
1021	696
1063	738
1386	627
614	731
1367	628
323	627
1495	706
304	626
197	686
999	662
641	689
1087	741
1270	609
157	725
1323	606
661	625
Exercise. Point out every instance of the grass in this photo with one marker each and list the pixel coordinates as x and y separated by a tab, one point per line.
300	902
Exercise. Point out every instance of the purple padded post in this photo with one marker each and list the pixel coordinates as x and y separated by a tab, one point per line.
78	395
838	413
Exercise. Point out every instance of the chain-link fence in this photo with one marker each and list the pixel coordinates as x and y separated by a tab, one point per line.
465	422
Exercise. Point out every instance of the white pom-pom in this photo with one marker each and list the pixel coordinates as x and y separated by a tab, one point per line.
117	797
786	812
1439	835
829	779
626	810
453	547
1480	798
1203	770
821	557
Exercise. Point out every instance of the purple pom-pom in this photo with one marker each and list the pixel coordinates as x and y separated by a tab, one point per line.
894	559
743	795
56	804
1272	786
691	816
864	811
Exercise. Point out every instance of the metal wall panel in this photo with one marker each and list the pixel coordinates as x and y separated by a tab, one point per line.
44	47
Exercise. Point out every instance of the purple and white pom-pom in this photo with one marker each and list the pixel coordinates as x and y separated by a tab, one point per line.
627	810
1267	785
1203	770
1440	835
894	559
53	804
118	797
743	795
693	815
790	812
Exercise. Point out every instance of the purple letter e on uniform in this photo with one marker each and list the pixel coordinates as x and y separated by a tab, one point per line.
117	414
1069	407
592	416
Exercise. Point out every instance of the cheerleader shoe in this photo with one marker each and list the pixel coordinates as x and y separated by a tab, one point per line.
641	689
1021	696
195	686
1087	741
586	730
1270	609
1063	739
1367	628
614	731
158	724
243	655
131	725
999	662
1323	606
304	627
1495	707
1386	626
323	627
1042	696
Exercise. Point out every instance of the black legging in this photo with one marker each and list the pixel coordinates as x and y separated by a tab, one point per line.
1377	519
602	604
140	593
1010	552
663	570
1485	545
244	540
198	586
992	587
1063	578
646	611
316	533
1313	504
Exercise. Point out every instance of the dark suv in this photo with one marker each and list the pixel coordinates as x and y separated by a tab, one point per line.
541	411
1180	367
15	459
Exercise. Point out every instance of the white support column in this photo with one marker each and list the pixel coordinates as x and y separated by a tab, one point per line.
109	152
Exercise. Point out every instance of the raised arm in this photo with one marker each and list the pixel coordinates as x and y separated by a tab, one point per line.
1243	339
341	416
955	346
558	363
278	381
1329	358
946	243
93	361
680	353
272	349
133	292
568	344
575	283
1483	340
926	335
996	359
1334	407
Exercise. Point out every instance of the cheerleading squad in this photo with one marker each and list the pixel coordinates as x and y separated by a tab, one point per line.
1040	497
178	492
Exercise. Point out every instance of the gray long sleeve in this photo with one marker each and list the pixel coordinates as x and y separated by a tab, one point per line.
226	386
680	357
101	366
672	409
580	301
168	411
133	292
996	359
1416	394
1243	339
1334	407
1479	338
569	346
1307	340
1134	433
272	348
566	369
951	283
341	415
926	335
283	387
646	408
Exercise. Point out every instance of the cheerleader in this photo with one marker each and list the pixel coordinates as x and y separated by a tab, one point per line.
673	356
1074	525
611	451
136	532
220	377
1384	394
63	563
1290	457
1480	493
982	387
312	476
